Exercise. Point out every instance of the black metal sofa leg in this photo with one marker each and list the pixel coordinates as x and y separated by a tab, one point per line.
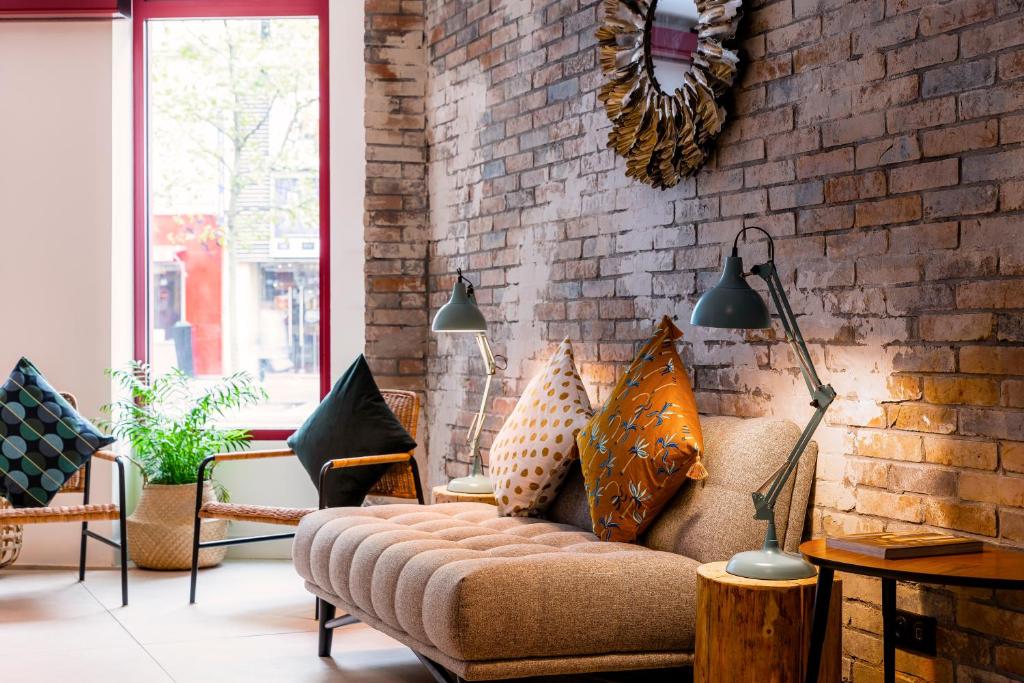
82	552
326	639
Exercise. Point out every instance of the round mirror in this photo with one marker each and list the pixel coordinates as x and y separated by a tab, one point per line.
673	41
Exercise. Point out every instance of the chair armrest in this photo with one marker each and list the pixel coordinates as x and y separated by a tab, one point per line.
361	461
366	460
253	455
109	456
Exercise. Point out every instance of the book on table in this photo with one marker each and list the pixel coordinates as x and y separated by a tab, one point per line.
901	546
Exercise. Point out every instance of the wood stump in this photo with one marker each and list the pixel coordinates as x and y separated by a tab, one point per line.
759	631
441	494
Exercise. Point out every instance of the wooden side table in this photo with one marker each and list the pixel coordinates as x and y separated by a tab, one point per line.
994	567
754	630
441	494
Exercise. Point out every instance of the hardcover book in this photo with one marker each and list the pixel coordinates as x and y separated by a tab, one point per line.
900	546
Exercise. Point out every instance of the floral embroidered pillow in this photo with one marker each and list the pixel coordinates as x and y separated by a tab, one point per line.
642	445
531	454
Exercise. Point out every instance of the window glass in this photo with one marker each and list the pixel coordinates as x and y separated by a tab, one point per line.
233	193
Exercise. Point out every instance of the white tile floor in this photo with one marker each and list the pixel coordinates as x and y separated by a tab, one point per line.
253	622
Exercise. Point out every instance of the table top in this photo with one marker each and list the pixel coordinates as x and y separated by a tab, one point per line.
715	571
993	567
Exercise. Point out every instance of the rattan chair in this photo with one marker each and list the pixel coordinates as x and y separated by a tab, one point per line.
401	480
84	513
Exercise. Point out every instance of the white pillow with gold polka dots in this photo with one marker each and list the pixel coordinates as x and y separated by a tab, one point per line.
531	454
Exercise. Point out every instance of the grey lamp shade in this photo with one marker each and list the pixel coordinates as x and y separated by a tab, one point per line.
731	303
460	314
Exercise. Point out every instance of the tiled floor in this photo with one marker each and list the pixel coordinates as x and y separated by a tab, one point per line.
253	622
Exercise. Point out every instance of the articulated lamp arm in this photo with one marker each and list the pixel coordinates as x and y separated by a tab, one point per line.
477	425
822	394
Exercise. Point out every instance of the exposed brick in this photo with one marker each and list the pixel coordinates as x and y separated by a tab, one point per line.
886	211
922	53
825	163
974	391
942	450
889	151
890	445
850	187
921	115
1000	424
906	507
960	202
956	139
990	294
918	417
953	15
993	37
1000	489
924	176
974	519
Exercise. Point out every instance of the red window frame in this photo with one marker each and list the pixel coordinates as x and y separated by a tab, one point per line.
197	9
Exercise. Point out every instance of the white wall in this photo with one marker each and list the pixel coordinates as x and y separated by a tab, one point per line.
64	180
65	234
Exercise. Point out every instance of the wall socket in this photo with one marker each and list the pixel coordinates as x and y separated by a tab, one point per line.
914	632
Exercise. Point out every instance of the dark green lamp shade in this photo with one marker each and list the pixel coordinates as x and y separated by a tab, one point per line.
731	303
460	314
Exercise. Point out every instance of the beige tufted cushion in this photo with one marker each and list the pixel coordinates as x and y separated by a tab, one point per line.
532	452
479	587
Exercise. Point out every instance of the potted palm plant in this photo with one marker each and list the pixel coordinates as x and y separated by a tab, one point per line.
171	424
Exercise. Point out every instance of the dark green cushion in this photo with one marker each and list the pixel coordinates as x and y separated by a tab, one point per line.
352	421
43	440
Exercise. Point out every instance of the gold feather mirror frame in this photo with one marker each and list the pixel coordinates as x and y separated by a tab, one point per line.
665	137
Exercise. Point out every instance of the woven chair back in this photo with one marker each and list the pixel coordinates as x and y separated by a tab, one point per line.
399	481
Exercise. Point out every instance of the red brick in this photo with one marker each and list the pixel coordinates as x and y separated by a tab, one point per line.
973	391
850	187
1000	489
922	53
974	519
924	176
825	163
952	15
926	114
943	450
956	139
887	211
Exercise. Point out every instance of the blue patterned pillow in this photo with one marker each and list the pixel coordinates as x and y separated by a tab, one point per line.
43	440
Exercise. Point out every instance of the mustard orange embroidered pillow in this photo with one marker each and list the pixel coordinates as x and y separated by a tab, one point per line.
642	445
531	454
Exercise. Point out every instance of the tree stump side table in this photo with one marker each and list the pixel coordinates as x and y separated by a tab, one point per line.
441	494
756	631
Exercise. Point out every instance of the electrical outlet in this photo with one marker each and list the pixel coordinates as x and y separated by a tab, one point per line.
914	633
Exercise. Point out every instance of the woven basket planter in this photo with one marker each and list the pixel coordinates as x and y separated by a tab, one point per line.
160	529
10	540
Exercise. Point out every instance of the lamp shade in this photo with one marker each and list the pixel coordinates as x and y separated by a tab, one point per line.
731	303
460	314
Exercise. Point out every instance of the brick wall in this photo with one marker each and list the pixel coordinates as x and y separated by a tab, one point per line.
879	141
396	194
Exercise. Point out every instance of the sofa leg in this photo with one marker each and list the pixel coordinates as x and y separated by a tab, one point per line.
440	674
326	638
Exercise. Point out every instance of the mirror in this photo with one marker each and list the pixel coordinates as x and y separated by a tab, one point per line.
666	64
673	41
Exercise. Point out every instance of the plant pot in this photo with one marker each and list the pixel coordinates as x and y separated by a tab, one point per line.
160	530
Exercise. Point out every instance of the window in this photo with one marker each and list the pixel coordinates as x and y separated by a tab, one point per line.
231	220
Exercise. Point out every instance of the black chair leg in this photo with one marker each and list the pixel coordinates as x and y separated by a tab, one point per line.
195	565
81	553
327	611
124	562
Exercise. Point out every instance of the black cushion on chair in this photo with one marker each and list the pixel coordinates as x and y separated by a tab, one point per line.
352	421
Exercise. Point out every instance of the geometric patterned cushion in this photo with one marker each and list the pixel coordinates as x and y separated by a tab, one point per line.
641	446
532	453
43	440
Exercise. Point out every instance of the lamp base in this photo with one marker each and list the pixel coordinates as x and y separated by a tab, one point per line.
475	483
770	565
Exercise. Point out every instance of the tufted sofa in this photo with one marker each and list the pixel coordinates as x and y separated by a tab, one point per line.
482	597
